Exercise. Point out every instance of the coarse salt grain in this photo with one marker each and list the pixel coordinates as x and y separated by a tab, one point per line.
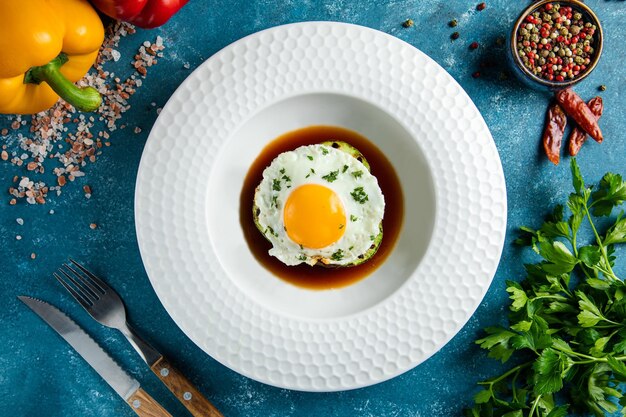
20	221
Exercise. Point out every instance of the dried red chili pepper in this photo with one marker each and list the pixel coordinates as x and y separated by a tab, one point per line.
577	109
556	120
579	136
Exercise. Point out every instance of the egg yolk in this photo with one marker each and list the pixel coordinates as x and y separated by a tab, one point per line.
314	216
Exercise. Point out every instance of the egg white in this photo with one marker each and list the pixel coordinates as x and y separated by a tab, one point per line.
362	199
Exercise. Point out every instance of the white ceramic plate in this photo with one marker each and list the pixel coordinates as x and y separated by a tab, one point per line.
216	124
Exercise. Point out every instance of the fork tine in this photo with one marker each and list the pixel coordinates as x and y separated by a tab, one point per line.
86	281
78	297
85	292
103	285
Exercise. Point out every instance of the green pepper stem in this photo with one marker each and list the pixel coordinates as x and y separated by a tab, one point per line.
84	99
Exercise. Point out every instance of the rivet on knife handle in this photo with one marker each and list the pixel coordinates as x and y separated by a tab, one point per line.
184	390
145	406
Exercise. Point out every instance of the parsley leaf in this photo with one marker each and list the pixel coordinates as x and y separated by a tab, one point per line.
517	295
559	258
357	174
497	342
611	192
617	233
550	368
577	178
590	255
276	185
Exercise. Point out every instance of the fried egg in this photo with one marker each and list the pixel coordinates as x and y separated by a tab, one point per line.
319	204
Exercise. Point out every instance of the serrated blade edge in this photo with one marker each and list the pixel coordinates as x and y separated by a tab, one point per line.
100	361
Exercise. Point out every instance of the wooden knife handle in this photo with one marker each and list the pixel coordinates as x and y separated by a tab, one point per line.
184	390
145	406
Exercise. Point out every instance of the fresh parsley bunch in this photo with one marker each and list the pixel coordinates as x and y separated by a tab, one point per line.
567	326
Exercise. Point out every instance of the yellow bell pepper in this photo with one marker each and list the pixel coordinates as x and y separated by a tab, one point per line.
45	47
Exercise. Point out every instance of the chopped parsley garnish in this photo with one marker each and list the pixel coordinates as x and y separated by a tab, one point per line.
310	157
351	247
337	256
357	174
269	228
345	168
276	185
324	151
372	237
302	257
310	173
332	176
359	195
286	178
353	218
282	170
275	201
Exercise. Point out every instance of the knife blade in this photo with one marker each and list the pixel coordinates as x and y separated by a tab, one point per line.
123	384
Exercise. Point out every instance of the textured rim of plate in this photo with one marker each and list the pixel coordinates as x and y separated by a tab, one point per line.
349	352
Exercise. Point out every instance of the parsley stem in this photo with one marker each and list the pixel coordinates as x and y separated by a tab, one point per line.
572	241
611	274
511	371
534	407
582	355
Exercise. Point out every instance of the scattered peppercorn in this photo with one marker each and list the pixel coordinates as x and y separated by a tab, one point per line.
33	255
473	45
602	87
481	6
455	36
93	226
555	42
408	23
476	74
452	23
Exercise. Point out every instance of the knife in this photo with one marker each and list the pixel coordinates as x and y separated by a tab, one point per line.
126	387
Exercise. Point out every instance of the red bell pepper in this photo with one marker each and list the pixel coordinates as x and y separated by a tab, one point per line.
143	13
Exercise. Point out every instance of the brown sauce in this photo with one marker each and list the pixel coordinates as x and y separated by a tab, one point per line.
317	277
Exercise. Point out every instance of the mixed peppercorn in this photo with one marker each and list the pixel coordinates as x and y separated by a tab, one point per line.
555	42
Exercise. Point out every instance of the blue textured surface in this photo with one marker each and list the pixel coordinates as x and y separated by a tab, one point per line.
40	375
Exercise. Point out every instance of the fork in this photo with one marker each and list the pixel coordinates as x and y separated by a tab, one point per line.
106	307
